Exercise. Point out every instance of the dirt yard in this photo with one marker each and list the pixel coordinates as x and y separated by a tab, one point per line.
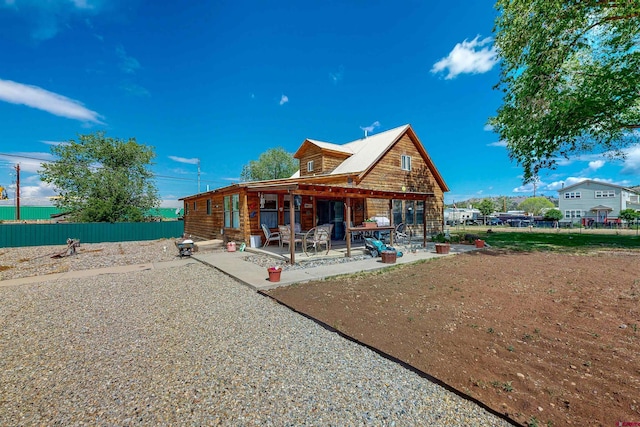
545	338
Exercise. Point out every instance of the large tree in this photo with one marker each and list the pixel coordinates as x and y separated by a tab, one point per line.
486	207
101	179
569	73
534	205
272	164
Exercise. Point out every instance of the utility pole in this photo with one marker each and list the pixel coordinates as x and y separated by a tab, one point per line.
198	176
17	167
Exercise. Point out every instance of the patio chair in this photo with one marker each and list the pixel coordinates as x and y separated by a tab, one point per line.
316	237
287	237
354	234
401	233
269	236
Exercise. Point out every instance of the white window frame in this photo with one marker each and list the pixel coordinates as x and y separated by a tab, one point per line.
572	214
601	194
405	162
310	166
573	195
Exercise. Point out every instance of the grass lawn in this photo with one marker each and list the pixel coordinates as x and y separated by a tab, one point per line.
553	241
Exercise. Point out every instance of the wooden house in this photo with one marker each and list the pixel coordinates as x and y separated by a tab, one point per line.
387	175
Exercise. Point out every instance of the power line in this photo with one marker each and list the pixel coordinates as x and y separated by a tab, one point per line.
176	178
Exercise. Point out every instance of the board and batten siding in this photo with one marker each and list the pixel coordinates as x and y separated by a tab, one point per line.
387	175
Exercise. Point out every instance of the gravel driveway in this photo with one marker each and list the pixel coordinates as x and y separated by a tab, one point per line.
191	346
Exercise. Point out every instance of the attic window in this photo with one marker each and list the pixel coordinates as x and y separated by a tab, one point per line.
406	163
310	166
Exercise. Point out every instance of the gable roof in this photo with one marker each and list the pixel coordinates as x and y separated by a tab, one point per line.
591	181
364	153
367	151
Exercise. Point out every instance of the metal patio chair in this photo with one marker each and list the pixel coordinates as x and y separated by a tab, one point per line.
269	236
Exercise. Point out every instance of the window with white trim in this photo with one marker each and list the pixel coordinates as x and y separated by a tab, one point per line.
605	193
310	166
573	195
572	214
405	162
269	210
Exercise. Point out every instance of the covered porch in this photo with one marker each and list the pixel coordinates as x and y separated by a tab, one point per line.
344	209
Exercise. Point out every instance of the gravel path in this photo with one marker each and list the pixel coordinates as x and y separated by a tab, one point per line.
190	346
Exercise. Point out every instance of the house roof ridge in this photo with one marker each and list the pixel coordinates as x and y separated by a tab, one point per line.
595	181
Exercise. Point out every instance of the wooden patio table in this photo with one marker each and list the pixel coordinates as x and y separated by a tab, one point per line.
372	230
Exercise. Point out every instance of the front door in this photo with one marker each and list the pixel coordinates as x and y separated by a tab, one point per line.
331	212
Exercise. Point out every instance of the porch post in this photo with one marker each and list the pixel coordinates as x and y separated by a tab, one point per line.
292	228
347	235
391	232
424	224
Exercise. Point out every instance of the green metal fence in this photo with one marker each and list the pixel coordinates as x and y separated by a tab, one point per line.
16	235
30	213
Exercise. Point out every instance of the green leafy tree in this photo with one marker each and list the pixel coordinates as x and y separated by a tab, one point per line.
486	207
534	205
569	73
274	163
553	215
629	215
100	179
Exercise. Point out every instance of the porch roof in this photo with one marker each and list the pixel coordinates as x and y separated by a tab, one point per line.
313	186
601	208
337	191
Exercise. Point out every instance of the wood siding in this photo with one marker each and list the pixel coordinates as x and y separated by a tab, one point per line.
323	162
211	226
387	175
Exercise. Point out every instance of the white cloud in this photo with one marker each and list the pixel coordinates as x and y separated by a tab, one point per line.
497	144
488	128
171	201
557	185
192	161
596	164
36	97
284	99
337	76
468	57
631	162
128	64
45	19
372	127
526	188
28	161
135	89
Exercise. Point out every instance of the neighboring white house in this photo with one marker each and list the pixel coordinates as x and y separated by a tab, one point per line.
457	216
598	202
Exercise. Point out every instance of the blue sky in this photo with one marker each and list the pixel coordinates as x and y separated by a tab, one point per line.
223	81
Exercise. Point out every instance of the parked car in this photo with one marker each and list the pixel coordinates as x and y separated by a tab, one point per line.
495	221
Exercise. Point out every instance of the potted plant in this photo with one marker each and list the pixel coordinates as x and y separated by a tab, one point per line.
274	273
442	248
370	223
442	243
